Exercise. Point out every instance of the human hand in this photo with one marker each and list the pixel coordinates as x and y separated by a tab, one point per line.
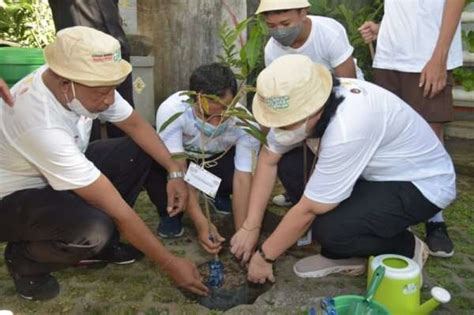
5	93
177	192
369	31
210	239
185	275
243	243
433	77
259	270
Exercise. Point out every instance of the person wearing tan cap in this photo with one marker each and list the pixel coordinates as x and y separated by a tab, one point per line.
380	169
321	38
62	200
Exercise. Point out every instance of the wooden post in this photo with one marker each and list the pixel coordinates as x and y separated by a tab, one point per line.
185	36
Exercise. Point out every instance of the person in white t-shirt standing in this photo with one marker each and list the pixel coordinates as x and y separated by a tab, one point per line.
418	44
210	135
380	169
62	199
322	39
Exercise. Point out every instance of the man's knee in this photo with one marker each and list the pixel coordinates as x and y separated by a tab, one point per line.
330	236
95	232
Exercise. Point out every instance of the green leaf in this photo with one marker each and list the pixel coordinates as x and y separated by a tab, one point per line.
170	121
247	125
257	135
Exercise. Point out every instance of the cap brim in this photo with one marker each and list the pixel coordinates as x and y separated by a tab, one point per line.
274	119
268	8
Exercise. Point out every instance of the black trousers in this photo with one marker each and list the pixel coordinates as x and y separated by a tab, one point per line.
372	221
48	230
157	179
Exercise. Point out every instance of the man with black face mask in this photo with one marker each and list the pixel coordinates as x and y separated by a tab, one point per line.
322	39
293	31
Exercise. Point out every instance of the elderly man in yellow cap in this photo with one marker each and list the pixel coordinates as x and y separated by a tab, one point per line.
62	199
321	38
380	169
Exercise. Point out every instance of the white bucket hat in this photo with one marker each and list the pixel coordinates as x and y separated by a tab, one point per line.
289	90
275	5
87	56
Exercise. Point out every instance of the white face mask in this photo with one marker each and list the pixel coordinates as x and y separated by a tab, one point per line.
290	137
76	106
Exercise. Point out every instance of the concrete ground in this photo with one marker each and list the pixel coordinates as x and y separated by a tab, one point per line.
142	289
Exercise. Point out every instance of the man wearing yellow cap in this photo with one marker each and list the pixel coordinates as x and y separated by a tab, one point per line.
380	169
321	38
62	199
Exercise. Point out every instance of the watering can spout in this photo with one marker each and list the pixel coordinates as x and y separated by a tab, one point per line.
439	295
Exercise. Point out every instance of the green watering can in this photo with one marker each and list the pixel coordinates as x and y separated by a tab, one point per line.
400	288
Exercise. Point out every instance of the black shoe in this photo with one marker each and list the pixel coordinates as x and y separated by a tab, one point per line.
39	288
36	288
170	228
222	205
438	240
119	253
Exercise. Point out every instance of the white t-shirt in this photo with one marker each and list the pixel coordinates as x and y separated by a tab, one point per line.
327	44
376	136
42	143
408	34
182	135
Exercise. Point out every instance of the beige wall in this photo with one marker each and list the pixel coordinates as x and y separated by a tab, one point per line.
185	35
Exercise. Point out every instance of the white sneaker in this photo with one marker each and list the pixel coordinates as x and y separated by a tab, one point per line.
282	200
319	266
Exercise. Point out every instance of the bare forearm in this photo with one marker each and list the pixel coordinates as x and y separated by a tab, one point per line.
290	229
143	134
194	209
262	186
240	201
451	16
137	233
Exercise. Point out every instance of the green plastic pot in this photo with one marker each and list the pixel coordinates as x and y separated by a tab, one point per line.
343	305
16	63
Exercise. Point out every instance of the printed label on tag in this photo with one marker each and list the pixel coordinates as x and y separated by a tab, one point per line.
203	180
306	240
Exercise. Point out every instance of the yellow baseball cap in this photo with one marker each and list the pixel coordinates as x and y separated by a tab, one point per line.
289	90
275	5
87	56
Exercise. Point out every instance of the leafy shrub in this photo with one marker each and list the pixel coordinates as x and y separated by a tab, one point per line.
465	77
26	22
352	17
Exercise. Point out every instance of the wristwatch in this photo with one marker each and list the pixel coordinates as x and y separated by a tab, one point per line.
175	175
262	254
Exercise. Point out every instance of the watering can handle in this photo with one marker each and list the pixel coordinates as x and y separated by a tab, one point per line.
375	282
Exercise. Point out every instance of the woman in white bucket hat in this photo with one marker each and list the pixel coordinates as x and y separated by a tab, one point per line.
380	169
323	39
63	201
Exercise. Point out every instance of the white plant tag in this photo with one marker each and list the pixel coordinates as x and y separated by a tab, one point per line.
203	180
306	240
